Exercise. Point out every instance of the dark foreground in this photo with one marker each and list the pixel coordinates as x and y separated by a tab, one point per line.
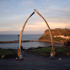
35	62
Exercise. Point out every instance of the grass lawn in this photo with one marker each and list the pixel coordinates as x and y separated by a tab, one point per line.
45	51
5	52
58	39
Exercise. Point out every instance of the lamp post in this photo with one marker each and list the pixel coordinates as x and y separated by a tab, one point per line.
19	51
18	38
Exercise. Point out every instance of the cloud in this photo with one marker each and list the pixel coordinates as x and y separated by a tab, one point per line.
37	27
14	13
3	30
27	2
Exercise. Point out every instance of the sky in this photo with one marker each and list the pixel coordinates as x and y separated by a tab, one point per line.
13	14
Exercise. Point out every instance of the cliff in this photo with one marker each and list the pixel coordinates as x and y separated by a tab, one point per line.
46	35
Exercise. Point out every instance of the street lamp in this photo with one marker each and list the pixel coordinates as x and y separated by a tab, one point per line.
18	38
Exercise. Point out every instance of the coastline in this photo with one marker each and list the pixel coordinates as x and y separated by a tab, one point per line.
49	41
16	41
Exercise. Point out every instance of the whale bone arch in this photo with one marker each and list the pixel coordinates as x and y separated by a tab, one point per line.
46	24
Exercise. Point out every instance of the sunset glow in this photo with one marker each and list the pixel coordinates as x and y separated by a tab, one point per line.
13	14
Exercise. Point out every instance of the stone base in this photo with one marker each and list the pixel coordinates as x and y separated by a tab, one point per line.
51	55
21	56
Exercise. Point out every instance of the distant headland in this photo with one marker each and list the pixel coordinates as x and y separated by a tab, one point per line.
59	35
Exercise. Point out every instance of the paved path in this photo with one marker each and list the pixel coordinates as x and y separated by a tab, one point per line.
35	62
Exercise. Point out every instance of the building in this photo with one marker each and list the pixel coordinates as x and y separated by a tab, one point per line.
62	36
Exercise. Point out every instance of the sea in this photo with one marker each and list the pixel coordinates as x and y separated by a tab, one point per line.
26	45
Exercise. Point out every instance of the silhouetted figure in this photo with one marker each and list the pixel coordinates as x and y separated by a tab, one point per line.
21	47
